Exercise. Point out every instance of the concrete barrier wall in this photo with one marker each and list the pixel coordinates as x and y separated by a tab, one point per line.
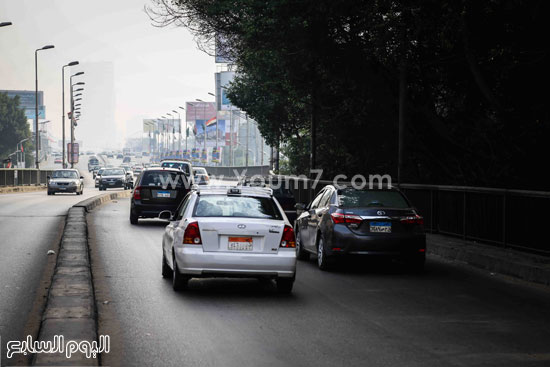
23	176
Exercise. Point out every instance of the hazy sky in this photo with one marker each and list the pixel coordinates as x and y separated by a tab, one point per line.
149	71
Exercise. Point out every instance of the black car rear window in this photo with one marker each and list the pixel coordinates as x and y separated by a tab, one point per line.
236	206
113	172
178	165
164	179
371	198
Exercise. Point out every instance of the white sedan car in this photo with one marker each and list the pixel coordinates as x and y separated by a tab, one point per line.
222	231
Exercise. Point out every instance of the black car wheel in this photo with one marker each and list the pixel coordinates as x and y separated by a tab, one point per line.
133	217
300	252
284	285
322	259
179	281
166	271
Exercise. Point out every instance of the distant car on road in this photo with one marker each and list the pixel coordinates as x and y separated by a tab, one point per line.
97	177
180	164
350	222
126	159
114	178
154	192
137	170
119	156
95	170
130	177
65	180
229	232
281	191
58	160
200	176
92	162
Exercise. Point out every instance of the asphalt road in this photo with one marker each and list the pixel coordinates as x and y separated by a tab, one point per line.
30	225
363	314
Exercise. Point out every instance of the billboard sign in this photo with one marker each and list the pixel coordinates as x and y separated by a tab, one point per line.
30	113
213	126
72	155
223	79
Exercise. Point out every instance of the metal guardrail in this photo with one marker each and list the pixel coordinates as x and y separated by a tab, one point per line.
508	218
515	219
23	176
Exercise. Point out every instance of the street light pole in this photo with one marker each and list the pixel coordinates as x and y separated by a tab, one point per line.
185	130
73	63
179	130
247	138
37	139
213	95
204	126
73	117
170	141
72	113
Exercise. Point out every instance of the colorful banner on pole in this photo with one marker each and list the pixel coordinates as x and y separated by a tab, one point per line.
195	155
216	152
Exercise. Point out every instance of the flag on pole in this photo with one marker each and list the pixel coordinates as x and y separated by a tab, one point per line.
212	121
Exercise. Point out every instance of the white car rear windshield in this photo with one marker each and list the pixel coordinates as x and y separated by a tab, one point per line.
236	206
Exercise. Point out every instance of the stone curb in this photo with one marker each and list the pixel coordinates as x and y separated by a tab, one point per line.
70	309
526	266
91	203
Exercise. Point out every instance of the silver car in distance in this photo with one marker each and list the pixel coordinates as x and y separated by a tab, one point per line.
221	231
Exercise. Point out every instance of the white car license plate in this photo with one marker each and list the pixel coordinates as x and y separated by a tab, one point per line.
163	194
380	227
240	244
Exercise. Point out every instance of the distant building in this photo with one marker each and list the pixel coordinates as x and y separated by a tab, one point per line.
27	102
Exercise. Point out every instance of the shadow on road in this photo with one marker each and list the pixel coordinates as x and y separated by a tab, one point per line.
226	288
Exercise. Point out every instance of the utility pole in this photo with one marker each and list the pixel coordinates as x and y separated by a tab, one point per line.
231	162
247	138
72	128
402	122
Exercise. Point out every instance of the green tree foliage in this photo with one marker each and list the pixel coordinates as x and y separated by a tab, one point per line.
476	77
13	127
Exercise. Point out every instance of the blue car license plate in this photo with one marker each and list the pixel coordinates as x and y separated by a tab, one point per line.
380	227
163	194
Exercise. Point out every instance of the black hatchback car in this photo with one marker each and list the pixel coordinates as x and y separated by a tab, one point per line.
158	189
340	222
